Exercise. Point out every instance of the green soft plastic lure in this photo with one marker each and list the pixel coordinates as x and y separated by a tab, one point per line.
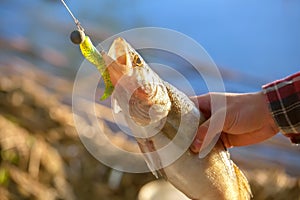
90	52
93	56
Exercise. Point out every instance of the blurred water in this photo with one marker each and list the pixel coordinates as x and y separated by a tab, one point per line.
257	39
253	42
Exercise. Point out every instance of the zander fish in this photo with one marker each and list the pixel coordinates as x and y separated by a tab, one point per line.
164	121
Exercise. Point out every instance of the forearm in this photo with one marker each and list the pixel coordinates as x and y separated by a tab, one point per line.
283	97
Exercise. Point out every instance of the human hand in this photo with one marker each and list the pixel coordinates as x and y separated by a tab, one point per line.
248	120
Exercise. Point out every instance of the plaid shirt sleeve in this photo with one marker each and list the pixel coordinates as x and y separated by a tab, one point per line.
283	97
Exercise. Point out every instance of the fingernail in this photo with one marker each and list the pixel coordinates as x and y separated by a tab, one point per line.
196	146
202	154
206	149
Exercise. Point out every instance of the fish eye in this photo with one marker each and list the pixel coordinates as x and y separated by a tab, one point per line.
77	36
137	61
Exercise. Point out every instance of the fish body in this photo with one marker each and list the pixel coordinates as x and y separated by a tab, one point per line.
164	122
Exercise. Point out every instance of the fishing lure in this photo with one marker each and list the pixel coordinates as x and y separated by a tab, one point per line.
90	52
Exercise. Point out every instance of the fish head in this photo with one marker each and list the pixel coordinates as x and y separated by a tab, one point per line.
138	88
123	60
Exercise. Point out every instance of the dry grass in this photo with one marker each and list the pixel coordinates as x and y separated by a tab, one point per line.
43	158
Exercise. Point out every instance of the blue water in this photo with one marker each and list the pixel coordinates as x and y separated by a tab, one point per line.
257	40
252	42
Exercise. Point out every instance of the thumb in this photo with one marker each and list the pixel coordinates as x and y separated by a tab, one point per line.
207	136
199	138
203	102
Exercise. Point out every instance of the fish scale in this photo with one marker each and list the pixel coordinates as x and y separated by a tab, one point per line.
213	177
137	90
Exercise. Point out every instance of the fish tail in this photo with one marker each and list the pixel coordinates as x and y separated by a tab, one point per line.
243	185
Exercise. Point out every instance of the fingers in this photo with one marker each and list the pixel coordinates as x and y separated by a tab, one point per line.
249	138
233	116
201	133
203	103
207	134
203	100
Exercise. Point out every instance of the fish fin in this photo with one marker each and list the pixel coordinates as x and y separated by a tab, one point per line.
116	107
243	184
149	161
153	160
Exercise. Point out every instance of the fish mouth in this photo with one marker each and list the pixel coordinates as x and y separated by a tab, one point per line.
122	70
118	60
138	89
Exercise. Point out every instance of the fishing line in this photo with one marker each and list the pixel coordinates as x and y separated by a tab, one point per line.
74	18
78	36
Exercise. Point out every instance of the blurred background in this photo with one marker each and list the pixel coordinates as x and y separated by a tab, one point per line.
252	43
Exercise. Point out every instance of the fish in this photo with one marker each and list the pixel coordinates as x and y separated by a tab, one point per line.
164	122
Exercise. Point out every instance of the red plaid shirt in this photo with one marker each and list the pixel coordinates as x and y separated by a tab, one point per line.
283	97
